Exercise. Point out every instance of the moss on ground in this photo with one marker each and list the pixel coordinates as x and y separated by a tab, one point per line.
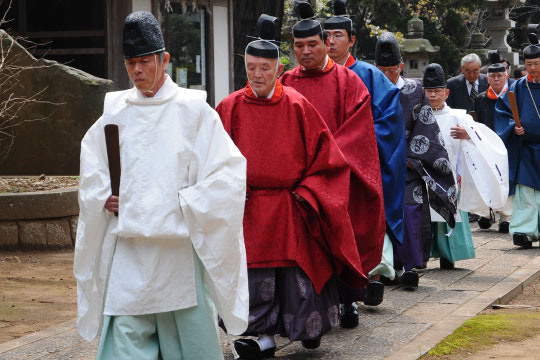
485	330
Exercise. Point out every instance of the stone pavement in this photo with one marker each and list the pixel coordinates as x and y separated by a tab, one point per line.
404	326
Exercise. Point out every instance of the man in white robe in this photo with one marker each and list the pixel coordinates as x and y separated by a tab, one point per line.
176	248
478	161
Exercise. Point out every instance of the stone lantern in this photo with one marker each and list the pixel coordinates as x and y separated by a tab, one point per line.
498	24
415	49
478	46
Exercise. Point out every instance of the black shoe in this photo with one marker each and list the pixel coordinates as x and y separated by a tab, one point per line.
250	349
348	316
387	282
473	218
484	223
504	226
446	264
374	293
522	240
409	278
311	344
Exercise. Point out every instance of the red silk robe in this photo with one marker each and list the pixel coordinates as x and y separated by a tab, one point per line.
290	150
343	101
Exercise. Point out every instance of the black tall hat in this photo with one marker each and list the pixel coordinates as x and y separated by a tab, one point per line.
307	26
142	35
494	57
387	52
434	77
263	47
340	20
532	51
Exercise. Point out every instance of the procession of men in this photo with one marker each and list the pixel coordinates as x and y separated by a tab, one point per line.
299	197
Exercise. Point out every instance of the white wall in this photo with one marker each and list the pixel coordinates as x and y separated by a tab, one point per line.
221	53
142	5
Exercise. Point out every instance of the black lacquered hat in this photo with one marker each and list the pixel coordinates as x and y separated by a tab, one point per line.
532	51
493	68
434	77
307	26
264	46
340	19
387	52
142	35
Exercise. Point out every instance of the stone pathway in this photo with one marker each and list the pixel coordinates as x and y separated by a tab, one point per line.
404	326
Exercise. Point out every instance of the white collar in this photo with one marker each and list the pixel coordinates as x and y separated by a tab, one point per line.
166	92
269	96
400	83
502	91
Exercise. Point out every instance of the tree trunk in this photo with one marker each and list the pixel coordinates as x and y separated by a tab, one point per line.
245	16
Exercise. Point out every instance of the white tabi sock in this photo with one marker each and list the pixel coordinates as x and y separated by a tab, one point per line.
266	342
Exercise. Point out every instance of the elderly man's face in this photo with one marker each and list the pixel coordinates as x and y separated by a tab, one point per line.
497	80
147	73
437	97
471	70
310	52
392	72
262	74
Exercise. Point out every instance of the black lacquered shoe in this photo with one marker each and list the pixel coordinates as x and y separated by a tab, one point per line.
446	264
409	278
484	223
374	293
387	282
348	316
311	344
522	240
250	349
504	226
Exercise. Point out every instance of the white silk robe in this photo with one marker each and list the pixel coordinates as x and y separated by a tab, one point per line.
481	161
182	189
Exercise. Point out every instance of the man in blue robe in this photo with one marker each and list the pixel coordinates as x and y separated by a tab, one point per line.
523	145
429	168
390	133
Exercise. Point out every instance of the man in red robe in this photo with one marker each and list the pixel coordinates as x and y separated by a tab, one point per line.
297	230
344	102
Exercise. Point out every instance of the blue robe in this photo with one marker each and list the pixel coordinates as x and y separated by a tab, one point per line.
390	133
524	150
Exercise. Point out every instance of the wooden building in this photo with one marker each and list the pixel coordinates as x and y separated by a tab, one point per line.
88	35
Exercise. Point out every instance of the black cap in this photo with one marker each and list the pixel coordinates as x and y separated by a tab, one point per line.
532	51
494	57
340	20
263	47
434	77
387	52
142	35
493	68
305	27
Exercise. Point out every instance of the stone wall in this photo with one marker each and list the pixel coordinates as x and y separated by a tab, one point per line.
45	220
39	234
71	102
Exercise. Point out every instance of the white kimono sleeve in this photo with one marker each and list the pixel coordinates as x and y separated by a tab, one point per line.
485	170
213	207
94	245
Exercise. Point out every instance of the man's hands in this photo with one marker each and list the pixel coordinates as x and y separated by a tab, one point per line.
112	204
519	130
459	132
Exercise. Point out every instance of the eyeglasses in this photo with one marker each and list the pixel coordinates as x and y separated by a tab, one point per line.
337	36
435	91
